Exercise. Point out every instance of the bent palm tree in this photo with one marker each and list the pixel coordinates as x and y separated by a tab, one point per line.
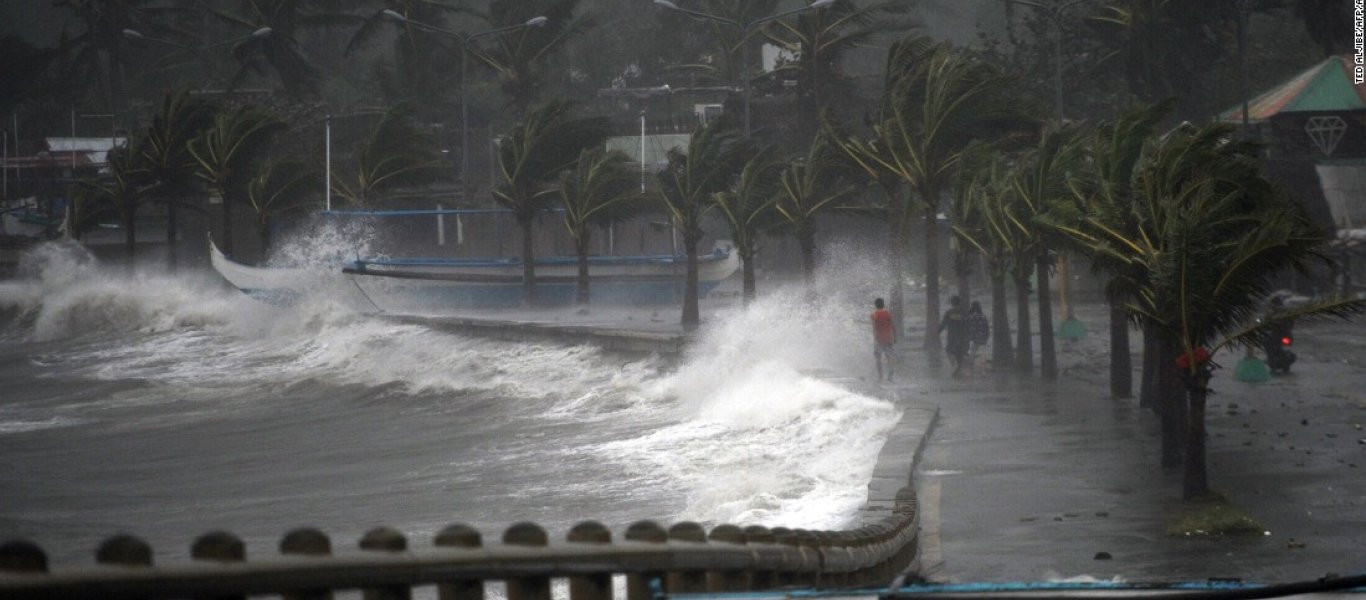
165	152
943	101
593	194
280	187
395	154
713	159
545	144
809	186
228	153
748	209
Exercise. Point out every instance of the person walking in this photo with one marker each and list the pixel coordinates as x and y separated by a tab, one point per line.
979	330
884	338
955	321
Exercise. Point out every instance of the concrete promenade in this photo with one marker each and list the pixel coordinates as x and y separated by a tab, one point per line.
1021	480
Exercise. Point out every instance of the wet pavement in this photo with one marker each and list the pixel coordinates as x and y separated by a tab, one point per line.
1025	481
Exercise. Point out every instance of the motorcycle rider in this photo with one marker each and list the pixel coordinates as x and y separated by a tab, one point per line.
1274	342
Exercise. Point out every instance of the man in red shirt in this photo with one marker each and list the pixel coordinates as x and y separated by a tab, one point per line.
884	337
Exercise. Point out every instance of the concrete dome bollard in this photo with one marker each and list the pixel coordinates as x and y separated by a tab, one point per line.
464	537
638	584
309	542
728	580
763	577
22	557
385	540
124	550
687	581
597	586
221	547
527	534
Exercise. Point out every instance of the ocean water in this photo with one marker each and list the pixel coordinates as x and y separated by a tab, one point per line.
168	407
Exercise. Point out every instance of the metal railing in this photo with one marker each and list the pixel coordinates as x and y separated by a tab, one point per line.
685	558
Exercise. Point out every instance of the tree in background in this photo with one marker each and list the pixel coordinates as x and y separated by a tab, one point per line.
396	154
531	158
1041	179
165	153
596	192
120	194
519	56
820	40
747	208
228	153
810	185
710	164
280	187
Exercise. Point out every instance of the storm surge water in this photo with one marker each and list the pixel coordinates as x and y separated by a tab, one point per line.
170	406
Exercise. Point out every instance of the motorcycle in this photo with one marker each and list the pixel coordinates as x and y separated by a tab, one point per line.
1277	345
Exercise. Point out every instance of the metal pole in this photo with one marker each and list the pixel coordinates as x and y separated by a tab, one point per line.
1242	67
6	175
1057	62
744	67
642	152
327	183
464	123
73	143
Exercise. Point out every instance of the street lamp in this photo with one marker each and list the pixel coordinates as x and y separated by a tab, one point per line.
465	40
745	30
1054	12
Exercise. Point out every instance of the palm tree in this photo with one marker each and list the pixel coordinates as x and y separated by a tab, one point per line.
820	39
980	224
121	194
165	153
710	164
228	153
395	154
274	46
809	186
938	101
748	209
1106	191
593	194
544	145
280	187
519	55
1042	182
1215	234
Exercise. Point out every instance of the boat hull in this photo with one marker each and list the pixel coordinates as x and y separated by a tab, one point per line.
439	285
407	287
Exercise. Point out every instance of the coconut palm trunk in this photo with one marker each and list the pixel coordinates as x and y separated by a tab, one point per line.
931	195
1001	351
582	292
1024	351
747	274
1048	356
130	234
806	240
691	315
172	232
896	266
528	261
1195	482
1147	384
1121	364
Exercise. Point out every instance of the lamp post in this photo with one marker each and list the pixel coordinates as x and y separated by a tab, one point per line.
745	30
465	41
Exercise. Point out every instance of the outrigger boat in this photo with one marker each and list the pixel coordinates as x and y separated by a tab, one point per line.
434	285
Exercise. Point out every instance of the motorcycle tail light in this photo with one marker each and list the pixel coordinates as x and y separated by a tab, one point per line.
1286	341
